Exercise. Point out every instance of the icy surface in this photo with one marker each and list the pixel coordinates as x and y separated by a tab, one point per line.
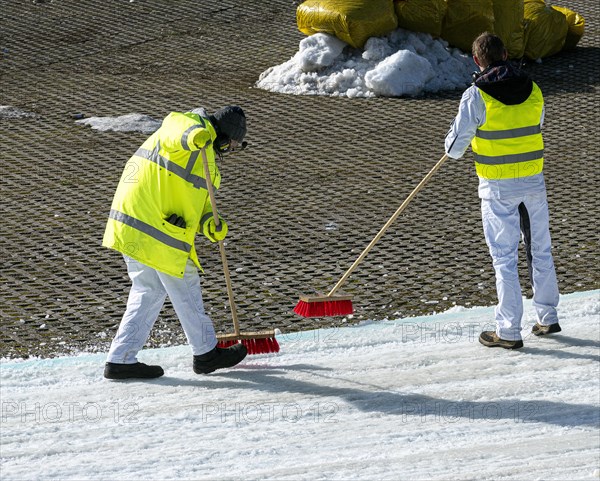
407	399
399	64
125	123
10	112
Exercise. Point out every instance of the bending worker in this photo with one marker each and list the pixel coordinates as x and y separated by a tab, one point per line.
160	203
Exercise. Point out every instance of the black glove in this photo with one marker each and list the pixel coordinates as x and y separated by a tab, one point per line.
176	220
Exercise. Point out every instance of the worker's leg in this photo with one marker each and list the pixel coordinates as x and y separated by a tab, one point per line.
186	296
545	286
146	298
501	226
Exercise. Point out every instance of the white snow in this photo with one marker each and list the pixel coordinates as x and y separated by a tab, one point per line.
415	398
399	64
11	112
125	123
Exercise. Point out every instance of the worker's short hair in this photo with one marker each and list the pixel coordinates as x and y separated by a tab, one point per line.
488	48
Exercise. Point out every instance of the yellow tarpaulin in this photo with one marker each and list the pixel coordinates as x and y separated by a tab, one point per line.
421	15
508	25
527	27
545	29
465	20
576	26
352	21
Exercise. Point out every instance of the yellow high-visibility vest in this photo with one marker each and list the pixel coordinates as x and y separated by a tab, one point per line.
509	144
164	177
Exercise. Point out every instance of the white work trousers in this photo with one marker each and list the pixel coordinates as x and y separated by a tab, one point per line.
501	226
149	290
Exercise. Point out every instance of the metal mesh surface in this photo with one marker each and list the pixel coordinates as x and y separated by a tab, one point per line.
321	176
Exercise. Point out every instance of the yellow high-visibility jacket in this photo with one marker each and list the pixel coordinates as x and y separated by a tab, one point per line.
509	144
164	177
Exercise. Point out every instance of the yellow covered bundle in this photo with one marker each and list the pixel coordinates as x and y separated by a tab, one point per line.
545	29
421	15
352	21
527	27
576	25
508	25
465	20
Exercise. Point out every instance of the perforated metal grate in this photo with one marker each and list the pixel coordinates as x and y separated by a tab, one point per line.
319	179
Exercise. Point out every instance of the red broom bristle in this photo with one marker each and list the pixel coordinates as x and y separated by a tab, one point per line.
273	344
261	346
250	345
266	345
324	308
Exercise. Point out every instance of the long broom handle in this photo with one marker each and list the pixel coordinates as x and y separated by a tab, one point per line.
387	224
213	204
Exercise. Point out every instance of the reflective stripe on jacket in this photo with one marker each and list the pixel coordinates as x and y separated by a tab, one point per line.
509	144
164	177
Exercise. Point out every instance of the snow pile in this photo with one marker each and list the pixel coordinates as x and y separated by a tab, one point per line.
399	64
415	398
10	112
124	123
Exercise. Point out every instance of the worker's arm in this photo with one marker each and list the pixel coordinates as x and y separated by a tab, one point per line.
208	227
471	115
181	132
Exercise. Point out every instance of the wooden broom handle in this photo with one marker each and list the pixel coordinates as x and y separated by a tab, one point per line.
387	224
213	204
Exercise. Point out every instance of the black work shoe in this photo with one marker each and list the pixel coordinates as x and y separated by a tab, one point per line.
219	358
491	339
131	371
540	330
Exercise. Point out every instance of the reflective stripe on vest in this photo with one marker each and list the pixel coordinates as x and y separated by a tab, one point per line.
509	133
186	174
508	159
509	144
150	230
184	137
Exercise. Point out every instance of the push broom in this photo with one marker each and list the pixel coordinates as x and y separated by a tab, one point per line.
263	342
341	305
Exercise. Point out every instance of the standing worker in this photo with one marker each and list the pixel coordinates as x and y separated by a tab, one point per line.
160	203
501	116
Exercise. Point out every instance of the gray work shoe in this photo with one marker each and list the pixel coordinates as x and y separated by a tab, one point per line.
491	339
540	330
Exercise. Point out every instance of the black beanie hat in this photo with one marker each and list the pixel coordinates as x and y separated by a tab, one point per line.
230	123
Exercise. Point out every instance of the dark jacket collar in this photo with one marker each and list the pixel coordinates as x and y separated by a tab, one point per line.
505	83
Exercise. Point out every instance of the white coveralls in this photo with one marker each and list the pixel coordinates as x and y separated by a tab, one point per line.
500	201
149	289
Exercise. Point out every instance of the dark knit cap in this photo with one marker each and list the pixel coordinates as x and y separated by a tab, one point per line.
229	122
